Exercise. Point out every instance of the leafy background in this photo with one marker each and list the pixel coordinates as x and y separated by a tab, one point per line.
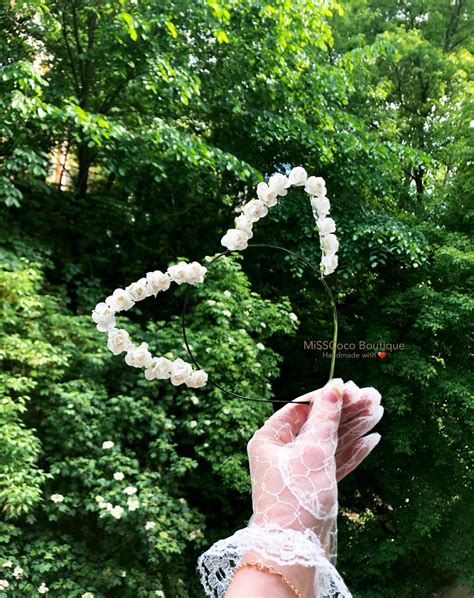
130	133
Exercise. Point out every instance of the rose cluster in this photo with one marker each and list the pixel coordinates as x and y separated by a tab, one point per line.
236	239
161	368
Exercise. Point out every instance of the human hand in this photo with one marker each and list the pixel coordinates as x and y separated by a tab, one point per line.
301	452
296	460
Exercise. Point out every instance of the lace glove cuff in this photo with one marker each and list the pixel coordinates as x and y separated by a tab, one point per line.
283	547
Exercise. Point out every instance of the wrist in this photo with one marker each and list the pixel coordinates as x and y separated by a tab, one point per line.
298	576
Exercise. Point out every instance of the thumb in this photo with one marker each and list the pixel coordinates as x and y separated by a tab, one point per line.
321	427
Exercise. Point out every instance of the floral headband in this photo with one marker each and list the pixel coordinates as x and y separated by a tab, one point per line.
236	239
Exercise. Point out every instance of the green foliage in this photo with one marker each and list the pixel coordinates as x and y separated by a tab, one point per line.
129	133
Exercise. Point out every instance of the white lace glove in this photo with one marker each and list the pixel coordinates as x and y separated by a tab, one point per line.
294	471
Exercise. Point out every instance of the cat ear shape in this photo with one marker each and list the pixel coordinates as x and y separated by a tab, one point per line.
138	356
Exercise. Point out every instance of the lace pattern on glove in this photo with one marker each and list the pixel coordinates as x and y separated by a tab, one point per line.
281	546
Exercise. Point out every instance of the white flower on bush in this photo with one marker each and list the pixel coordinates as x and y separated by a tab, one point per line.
245	224
130	490
316	185
107	445
17	572
43	589
160	593
88	595
157	281
321	206
278	184
7	564
297	177
293	317
193	423
3	584
139	290
103	316
57	498
326	226
117	511
133	503
150	525
265	194
118	341
330	244
197	379
329	263
139	357
255	209
180	372
120	300
235	239
159	368
119	476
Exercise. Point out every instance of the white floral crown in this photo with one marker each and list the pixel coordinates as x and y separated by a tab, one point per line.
235	239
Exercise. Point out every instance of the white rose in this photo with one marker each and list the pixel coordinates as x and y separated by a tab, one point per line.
278	183
265	194
117	512
158	281
179	272
57	498
150	525
245	224
293	317
103	316
119	475
235	239
326	226
88	595
17	572
316	185
255	209
120	300
160	368
139	290
118	341
139	357
321	206
133	503
130	490
160	593
193	423
43	589
180	371
297	177
195	273
329	263
197	379
3	584
330	244
108	444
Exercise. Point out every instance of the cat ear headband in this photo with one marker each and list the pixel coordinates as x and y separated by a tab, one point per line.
180	371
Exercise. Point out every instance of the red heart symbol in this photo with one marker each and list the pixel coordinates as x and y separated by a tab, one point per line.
382	354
